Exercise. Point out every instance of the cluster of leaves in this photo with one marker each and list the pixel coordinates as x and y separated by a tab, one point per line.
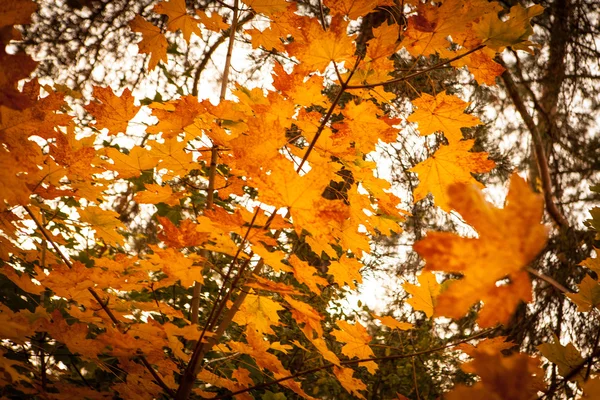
267	204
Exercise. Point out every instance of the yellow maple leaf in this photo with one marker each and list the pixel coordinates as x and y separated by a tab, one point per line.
268	6
349	382
588	296
509	239
306	274
566	358
175	265
111	111
130	165
513	31
352	8
346	271
178	18
155	194
153	41
317	49
449	165
392	323
593	263
214	23
357	342
260	311
424	294
444	113
106	223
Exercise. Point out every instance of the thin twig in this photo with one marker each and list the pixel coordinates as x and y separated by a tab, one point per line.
322	15
417	73
549	280
195	303
327	116
213	47
352	362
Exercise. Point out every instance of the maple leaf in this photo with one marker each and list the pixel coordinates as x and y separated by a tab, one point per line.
267	6
153	41
517	376
306	274
352	8
178	18
260	311
111	111
174	265
588	296
449	165
13	68
157	194
444	113
16	12
514	31
319	48
176	115
214	23
186	235
357	342
566	358
132	164
349	382
509	239
346	271
105	222
592	263
424	294
391	322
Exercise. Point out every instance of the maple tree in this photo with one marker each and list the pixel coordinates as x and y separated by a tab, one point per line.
266	203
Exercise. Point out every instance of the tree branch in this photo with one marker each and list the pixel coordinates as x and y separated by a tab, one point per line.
352	362
195	303
417	73
540	154
227	66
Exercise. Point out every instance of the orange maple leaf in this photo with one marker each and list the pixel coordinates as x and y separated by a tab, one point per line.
153	41
178	18
357	342
517	377
449	165
16	12
424	294
111	111
444	113
509	239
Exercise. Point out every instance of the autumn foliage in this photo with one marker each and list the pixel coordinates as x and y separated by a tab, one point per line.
266	205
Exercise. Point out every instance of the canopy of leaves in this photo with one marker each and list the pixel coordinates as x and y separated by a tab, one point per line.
173	244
